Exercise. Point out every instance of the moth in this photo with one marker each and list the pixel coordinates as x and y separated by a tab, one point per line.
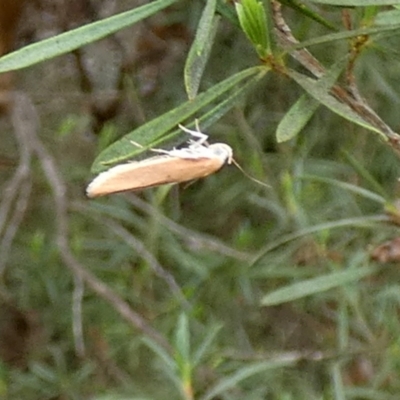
198	160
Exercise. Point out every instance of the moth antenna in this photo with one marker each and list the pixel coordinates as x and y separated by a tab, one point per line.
154	150
237	165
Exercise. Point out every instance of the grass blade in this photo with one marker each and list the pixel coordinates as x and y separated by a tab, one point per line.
68	41
308	287
201	49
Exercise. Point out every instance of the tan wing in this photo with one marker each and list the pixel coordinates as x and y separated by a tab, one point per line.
152	172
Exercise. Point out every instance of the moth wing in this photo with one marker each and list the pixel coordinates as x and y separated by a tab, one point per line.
154	171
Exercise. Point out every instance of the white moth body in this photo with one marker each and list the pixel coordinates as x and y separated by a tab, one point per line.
198	160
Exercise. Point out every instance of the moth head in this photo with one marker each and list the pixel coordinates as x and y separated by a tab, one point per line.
222	151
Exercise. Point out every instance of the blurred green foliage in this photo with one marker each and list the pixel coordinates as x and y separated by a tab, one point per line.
258	293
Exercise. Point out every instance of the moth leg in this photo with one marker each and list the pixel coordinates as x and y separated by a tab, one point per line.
161	151
154	150
137	144
202	137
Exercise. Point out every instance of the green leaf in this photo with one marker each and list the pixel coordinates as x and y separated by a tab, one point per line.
201	48
303	9
391	17
367	194
317	89
170	366
357	3
182	338
153	133
296	118
253	20
234	379
308	287
79	37
332	37
161	353
370	222
205	345
228	12
366	175
302	111
230	101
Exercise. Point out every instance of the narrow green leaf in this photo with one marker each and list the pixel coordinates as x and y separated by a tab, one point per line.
253	20
44	372
296	118
365	174
182	338
233	380
300	7
153	133
205	345
317	90
79	37
391	17
369	222
357	3
161	353
308	287
367	194
331	37
228	12
201	48
338	385
225	105
170	366
302	111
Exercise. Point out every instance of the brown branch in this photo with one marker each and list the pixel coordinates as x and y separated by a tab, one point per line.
348	95
16	192
150	259
22	102
14	222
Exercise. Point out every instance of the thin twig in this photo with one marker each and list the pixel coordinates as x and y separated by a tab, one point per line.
14	222
10	191
60	199
77	322
16	193
345	95
140	248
